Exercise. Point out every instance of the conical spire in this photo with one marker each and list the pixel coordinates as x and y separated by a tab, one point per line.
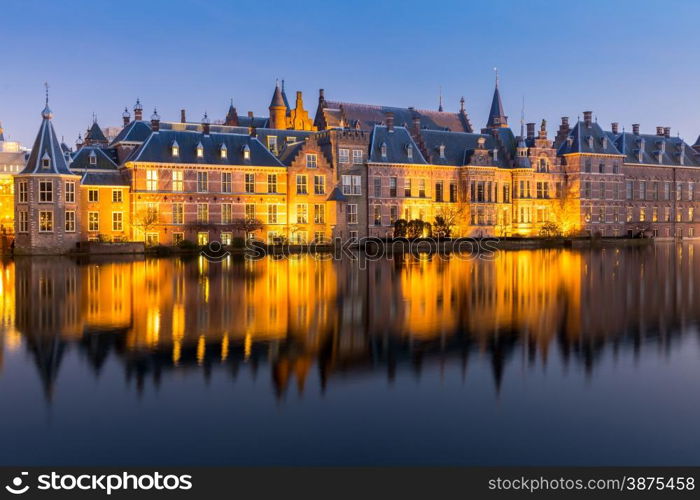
231	116
284	96
440	105
46	156
497	117
277	99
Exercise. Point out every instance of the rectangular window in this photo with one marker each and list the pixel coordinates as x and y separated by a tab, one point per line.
70	192
226	238
226	213
271	183
438	191
117	196
311	160
352	184
70	221
226	182
679	191
506	193
352	214
151	180
642	214
540	192
421	188
272	214
22	222
344	155
178	213
691	214
377	215
319	184
629	190
93	221
22	196
601	190
667	214
272	143
393	182
667	191
655	214
202	213
301	185
319	214
691	191
407	188
453	192
178	238
202	182
393	213
377	187
249	183
357	156
93	195
642	190
178	180
45	221
117	221
250	211
46	191
302	213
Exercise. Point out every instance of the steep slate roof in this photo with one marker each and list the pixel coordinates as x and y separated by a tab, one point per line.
81	159
277	99
289	152
95	133
458	147
630	144
365	116
91	178
601	143
46	145
135	131
158	149
497	117
256	121
397	143
337	195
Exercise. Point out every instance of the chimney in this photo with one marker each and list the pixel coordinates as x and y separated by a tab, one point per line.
635	128
138	111
667	131
659	131
587	118
155	121
530	130
299	103
126	116
390	121
615	127
253	132
183	118
205	124
321	95
250	115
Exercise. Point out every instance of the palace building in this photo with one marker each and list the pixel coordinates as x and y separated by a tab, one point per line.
350	172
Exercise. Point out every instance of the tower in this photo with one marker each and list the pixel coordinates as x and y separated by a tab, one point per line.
46	196
497	117
231	116
278	110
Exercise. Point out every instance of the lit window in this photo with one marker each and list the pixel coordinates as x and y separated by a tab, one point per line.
226	213
223	151
202	213
45	221
302	214
151	180
117	221
272	214
200	150
383	149
442	151
175	149
93	221
178	180
409	152
319	214
93	158
246	152
70	221
178	213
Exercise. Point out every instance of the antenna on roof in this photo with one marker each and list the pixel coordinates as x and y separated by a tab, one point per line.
46	86
440	106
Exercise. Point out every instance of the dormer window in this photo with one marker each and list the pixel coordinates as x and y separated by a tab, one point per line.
93	158
569	141
246	152
662	146
200	150
223	151
495	155
442	151
604	142
382	148
660	155
589	139
46	161
175	149
409	152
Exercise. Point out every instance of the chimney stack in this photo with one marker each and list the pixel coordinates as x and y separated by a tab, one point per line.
635	128
530	130
659	131
252	131
126	116
321	95
615	127
138	111
390	121
250	115
183	118
587	118
205	124
155	121
667	131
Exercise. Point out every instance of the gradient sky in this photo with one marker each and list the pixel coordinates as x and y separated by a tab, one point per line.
628	61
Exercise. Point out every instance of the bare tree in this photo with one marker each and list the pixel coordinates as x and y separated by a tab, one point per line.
247	226
145	220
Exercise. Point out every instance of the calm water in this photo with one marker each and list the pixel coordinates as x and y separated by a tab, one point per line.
534	357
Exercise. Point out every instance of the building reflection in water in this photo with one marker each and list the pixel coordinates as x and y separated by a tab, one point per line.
294	315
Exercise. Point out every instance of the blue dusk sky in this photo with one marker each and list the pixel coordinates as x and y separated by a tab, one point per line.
627	61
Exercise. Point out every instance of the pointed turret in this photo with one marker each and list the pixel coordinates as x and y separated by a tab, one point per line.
231	116
46	156
95	136
278	110
497	117
284	97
